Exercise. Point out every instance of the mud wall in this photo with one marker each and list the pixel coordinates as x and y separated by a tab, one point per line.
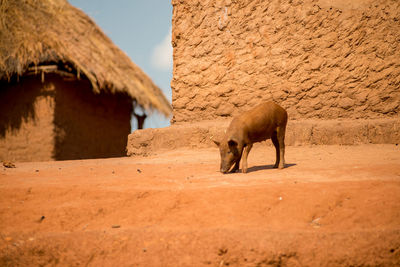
89	125
26	120
324	59
60	120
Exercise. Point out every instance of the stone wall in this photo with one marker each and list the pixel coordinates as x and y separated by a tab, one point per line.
326	59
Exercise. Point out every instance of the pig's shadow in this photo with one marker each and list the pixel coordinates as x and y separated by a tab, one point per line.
267	167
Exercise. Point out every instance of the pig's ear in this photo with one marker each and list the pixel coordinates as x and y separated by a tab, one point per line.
232	143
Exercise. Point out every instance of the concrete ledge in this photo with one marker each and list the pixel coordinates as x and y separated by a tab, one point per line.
305	132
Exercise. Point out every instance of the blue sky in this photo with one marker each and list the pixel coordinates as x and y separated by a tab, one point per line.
142	29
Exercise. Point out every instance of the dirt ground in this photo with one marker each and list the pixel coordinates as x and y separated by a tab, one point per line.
331	206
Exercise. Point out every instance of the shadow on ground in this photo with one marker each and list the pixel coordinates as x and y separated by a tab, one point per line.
267	167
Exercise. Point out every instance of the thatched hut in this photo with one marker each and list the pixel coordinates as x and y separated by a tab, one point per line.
66	91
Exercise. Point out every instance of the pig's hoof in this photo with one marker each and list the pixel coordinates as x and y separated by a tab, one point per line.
244	170
281	167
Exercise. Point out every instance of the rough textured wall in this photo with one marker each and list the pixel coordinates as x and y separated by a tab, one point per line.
26	120
89	125
61	120
319	59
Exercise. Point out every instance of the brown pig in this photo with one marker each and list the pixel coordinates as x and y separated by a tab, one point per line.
267	120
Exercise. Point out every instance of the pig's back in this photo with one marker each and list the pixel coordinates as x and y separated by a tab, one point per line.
260	122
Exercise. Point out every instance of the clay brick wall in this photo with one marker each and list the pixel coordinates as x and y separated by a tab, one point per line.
323	59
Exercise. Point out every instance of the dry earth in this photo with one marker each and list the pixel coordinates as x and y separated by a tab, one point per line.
332	206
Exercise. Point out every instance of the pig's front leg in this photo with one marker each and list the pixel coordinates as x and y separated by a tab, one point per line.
245	155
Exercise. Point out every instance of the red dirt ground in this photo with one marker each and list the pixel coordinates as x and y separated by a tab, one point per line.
332	206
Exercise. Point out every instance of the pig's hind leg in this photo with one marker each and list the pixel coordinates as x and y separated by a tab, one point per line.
275	141
278	139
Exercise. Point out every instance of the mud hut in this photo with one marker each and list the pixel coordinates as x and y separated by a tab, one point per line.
66	91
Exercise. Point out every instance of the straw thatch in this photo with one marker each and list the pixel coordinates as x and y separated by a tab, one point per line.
38	33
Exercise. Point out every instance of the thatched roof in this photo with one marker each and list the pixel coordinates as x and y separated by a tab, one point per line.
44	32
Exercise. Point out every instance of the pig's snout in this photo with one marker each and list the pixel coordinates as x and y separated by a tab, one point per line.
226	165
224	168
